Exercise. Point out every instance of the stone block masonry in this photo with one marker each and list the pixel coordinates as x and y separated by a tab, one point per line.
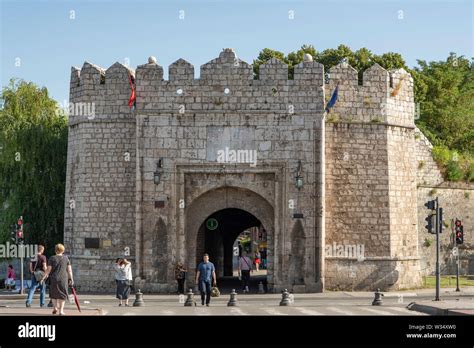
357	165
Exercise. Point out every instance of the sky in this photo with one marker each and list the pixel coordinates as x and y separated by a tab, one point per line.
42	39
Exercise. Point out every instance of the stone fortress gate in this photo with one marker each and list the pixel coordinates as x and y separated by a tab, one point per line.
142	182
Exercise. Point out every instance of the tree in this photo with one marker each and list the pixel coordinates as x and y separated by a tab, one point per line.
33	137
447	102
265	55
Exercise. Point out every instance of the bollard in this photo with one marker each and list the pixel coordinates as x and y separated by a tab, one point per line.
285	298
190	300
138	299
260	288
233	299
378	298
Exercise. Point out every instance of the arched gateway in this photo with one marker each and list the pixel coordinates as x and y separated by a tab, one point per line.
237	210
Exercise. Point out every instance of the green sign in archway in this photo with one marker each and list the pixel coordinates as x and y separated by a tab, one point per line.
211	224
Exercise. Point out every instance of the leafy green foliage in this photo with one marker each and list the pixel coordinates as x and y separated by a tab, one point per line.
33	138
444	91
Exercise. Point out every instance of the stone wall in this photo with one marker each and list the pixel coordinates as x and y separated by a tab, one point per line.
186	122
100	189
365	173
370	181
457	201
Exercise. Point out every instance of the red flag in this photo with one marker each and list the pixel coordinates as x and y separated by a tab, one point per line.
132	102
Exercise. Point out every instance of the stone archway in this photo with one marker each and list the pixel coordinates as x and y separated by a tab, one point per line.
218	243
222	198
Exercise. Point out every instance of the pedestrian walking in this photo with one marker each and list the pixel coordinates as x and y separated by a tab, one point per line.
59	271
11	279
245	267
123	278
257	260
206	273
263	253
38	265
180	275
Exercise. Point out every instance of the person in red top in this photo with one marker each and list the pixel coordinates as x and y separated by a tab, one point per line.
257	260
10	281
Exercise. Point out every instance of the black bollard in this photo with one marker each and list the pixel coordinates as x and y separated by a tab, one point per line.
378	298
285	298
233	299
138	299
260	288
190	299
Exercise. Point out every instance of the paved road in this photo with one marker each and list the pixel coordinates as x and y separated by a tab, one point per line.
247	305
328	303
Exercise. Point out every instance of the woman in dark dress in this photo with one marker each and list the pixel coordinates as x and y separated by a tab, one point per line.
60	275
180	275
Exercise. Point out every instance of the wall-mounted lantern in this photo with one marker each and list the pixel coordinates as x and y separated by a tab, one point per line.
157	173
299	178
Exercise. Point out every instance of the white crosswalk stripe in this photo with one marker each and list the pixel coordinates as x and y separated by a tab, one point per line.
376	311
401	310
237	311
307	311
341	311
202	312
168	312
273	311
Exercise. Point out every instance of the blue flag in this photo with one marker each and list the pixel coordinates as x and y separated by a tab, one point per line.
333	99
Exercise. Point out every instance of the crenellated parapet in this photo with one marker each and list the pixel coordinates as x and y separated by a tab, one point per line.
97	94
227	83
383	97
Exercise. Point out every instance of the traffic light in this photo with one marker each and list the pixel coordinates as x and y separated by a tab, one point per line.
431	205
429	226
19	230
440	219
19	236
13	233
459	232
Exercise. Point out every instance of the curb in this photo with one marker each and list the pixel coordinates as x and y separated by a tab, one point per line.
432	310
413	306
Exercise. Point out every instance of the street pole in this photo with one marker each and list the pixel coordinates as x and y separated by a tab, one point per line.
22	290
437	229
457	272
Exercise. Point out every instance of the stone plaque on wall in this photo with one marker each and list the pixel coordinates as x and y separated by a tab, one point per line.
222	139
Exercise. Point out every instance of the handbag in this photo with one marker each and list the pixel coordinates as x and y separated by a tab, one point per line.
215	292
39	275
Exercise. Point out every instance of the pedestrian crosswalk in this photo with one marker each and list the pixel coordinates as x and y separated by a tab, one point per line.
273	311
237	311
377	311
341	311
244	310
256	308
307	311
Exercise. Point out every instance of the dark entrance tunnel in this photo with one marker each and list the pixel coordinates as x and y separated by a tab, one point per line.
218	243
